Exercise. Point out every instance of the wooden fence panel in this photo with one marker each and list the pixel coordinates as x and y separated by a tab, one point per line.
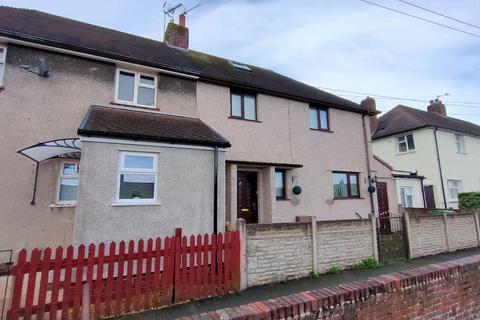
144	276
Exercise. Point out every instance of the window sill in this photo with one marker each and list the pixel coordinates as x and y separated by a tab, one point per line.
126	104
461	152
130	204
406	152
63	205
237	118
349	198
321	130
282	199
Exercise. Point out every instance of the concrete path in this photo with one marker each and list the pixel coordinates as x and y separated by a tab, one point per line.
281	289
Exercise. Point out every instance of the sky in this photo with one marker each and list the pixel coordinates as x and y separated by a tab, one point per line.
344	45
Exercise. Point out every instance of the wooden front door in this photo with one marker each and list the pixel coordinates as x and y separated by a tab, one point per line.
429	197
247	207
382	196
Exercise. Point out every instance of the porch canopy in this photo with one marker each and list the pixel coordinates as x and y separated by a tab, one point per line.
60	148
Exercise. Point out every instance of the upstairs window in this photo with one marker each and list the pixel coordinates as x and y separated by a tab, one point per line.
345	185
460	141
243	105
3	56
137	177
136	88
280	190
68	183
319	119
405	143
406	197
454	188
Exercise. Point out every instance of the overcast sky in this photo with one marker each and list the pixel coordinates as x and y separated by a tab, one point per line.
348	45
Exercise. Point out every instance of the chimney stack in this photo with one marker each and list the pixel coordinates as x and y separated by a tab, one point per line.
176	35
438	107
370	104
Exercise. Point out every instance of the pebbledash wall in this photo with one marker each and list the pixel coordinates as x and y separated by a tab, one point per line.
443	232
284	251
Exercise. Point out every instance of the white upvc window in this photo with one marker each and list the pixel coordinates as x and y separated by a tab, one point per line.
3	58
405	143
137	178
454	188
136	88
68	183
460	142
406	196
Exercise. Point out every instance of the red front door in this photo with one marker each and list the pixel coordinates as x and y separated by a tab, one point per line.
247	196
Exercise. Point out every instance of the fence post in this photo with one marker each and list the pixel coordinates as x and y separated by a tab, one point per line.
445	223
313	221
477	225
374	235
242	231
406	218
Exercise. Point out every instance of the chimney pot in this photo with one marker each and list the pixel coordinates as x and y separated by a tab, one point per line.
181	20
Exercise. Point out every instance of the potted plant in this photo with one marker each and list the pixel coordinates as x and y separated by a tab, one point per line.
136	195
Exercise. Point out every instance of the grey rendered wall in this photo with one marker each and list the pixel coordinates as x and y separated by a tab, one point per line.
185	190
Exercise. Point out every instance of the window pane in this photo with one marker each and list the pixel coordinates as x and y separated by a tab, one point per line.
146	96
353	186
138	162
69	169
323	119
137	186
279	184
236	105
402	197
1	71
126	84
313	118
402	147
68	189
2	54
249	105
340	185
411	144
147	80
409	201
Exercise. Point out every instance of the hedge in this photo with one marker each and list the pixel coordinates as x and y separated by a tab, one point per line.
469	200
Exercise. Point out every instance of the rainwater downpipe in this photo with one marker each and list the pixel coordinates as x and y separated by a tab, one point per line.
215	188
372	207
440	167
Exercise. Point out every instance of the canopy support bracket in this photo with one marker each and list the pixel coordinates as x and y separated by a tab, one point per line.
35	185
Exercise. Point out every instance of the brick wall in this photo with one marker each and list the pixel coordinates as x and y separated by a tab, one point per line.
343	243
283	251
449	290
277	252
432	234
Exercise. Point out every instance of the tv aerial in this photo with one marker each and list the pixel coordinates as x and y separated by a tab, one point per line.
169	10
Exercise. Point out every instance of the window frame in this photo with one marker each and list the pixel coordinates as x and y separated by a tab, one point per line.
3	63
349	190
319	118
459	189
137	84
242	95
122	170
404	199
460	143
397	142
61	176
284	195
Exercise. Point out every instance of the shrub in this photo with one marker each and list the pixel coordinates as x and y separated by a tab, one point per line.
334	270
469	200
368	263
312	275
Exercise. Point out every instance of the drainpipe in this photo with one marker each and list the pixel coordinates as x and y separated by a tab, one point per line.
423	193
215	188
440	166
372	207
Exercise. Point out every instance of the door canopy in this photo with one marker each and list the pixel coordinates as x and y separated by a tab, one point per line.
61	148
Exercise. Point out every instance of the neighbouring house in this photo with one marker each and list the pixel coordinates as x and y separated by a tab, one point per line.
443	149
107	135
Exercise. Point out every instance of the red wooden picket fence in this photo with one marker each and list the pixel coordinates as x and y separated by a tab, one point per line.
127	278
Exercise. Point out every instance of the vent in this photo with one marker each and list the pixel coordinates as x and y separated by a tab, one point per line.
240	66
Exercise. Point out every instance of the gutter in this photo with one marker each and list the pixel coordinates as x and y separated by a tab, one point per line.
372	207
439	166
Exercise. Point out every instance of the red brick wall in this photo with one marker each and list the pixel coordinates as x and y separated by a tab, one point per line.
440	291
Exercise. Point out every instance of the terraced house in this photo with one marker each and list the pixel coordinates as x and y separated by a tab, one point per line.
107	135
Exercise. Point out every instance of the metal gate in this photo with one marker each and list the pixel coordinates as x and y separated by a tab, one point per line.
391	237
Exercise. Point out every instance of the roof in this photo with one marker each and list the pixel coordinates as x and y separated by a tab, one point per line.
383	162
402	119
54	31
112	122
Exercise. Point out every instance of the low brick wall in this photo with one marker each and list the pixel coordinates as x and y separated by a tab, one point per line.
284	251
449	290
277	252
432	234
343	243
